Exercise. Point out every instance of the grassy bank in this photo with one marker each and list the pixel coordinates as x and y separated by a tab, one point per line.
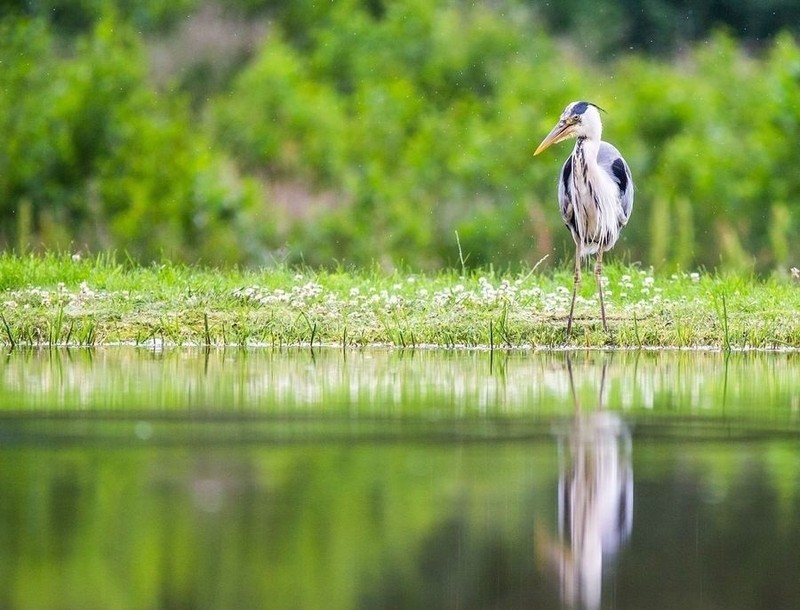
62	300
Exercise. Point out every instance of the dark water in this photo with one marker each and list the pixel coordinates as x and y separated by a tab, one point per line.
388	479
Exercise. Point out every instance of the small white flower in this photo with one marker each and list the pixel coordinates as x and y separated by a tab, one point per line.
795	273
695	277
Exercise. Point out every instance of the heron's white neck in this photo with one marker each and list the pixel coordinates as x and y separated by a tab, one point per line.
587	144
586	149
591	125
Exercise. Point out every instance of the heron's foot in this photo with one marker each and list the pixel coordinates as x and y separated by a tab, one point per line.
577	325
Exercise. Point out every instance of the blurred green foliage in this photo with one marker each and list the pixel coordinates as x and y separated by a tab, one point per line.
366	130
662	26
91	154
69	17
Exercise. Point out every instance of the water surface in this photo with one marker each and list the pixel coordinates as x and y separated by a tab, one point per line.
187	478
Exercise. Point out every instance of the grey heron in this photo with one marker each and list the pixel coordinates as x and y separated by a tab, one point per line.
595	191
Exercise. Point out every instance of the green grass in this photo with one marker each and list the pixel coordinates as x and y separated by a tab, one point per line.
48	300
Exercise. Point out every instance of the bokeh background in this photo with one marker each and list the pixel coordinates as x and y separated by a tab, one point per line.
357	132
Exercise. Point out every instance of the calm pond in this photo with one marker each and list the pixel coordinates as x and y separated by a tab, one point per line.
293	479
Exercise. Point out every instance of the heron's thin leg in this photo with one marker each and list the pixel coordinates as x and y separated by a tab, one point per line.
598	275
575	284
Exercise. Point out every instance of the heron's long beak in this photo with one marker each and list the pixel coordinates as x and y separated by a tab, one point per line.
560	132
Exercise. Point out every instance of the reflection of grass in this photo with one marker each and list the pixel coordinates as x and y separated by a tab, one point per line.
51	300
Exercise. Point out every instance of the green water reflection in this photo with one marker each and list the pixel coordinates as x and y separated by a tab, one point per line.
387	479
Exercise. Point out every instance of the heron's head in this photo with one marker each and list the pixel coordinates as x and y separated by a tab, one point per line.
579	119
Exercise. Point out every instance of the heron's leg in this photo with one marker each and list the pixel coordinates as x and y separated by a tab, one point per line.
598	275
575	284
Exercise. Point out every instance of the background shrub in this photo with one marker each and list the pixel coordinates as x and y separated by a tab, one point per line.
369	130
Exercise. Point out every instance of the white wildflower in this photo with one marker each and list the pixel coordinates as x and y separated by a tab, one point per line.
393	301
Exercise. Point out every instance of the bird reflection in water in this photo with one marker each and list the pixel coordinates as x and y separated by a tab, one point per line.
595	501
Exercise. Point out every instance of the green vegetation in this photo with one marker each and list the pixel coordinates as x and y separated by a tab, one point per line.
356	132
660	26
91	153
55	300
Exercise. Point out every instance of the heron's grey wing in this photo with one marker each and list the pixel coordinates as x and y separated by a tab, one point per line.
565	194
611	162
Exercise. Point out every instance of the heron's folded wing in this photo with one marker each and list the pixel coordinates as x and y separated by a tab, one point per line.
611	162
